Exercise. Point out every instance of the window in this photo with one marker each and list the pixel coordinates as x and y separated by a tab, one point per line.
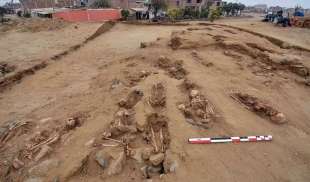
198	1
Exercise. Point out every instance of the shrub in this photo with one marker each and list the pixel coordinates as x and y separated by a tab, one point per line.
204	13
27	14
215	14
175	13
101	4
125	14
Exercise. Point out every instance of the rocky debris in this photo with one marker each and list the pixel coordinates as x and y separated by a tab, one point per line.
198	111
158	95
45	150
5	68
175	69
17	164
175	41
132	99
117	165
156	159
261	108
124	134
44	167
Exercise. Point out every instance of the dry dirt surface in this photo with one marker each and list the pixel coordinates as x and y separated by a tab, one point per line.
293	35
114	111
27	42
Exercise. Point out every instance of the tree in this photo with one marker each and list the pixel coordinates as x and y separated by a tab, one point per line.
102	4
227	8
2	11
235	9
241	7
158	5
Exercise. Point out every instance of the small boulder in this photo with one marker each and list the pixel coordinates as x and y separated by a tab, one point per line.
157	159
102	158
278	118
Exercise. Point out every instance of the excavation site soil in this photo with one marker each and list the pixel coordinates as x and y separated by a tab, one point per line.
122	106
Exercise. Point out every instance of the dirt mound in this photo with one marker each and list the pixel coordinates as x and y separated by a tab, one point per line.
259	107
40	24
102	29
175	41
174	68
198	110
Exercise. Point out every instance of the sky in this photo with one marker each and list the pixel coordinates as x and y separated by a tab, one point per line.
282	3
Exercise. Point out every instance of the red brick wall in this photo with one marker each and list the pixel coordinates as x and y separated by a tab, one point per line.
89	15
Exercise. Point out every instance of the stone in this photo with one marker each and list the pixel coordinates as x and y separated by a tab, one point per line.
45	150
279	118
44	167
117	165
102	158
157	159
17	164
194	93
146	153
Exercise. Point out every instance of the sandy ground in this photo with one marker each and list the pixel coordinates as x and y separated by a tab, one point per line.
22	47
294	35
89	83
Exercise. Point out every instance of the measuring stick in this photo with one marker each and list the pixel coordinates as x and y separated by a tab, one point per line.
229	139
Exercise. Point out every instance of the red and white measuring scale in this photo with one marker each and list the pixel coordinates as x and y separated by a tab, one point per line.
229	139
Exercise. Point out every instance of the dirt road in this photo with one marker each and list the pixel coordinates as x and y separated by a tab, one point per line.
89	83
